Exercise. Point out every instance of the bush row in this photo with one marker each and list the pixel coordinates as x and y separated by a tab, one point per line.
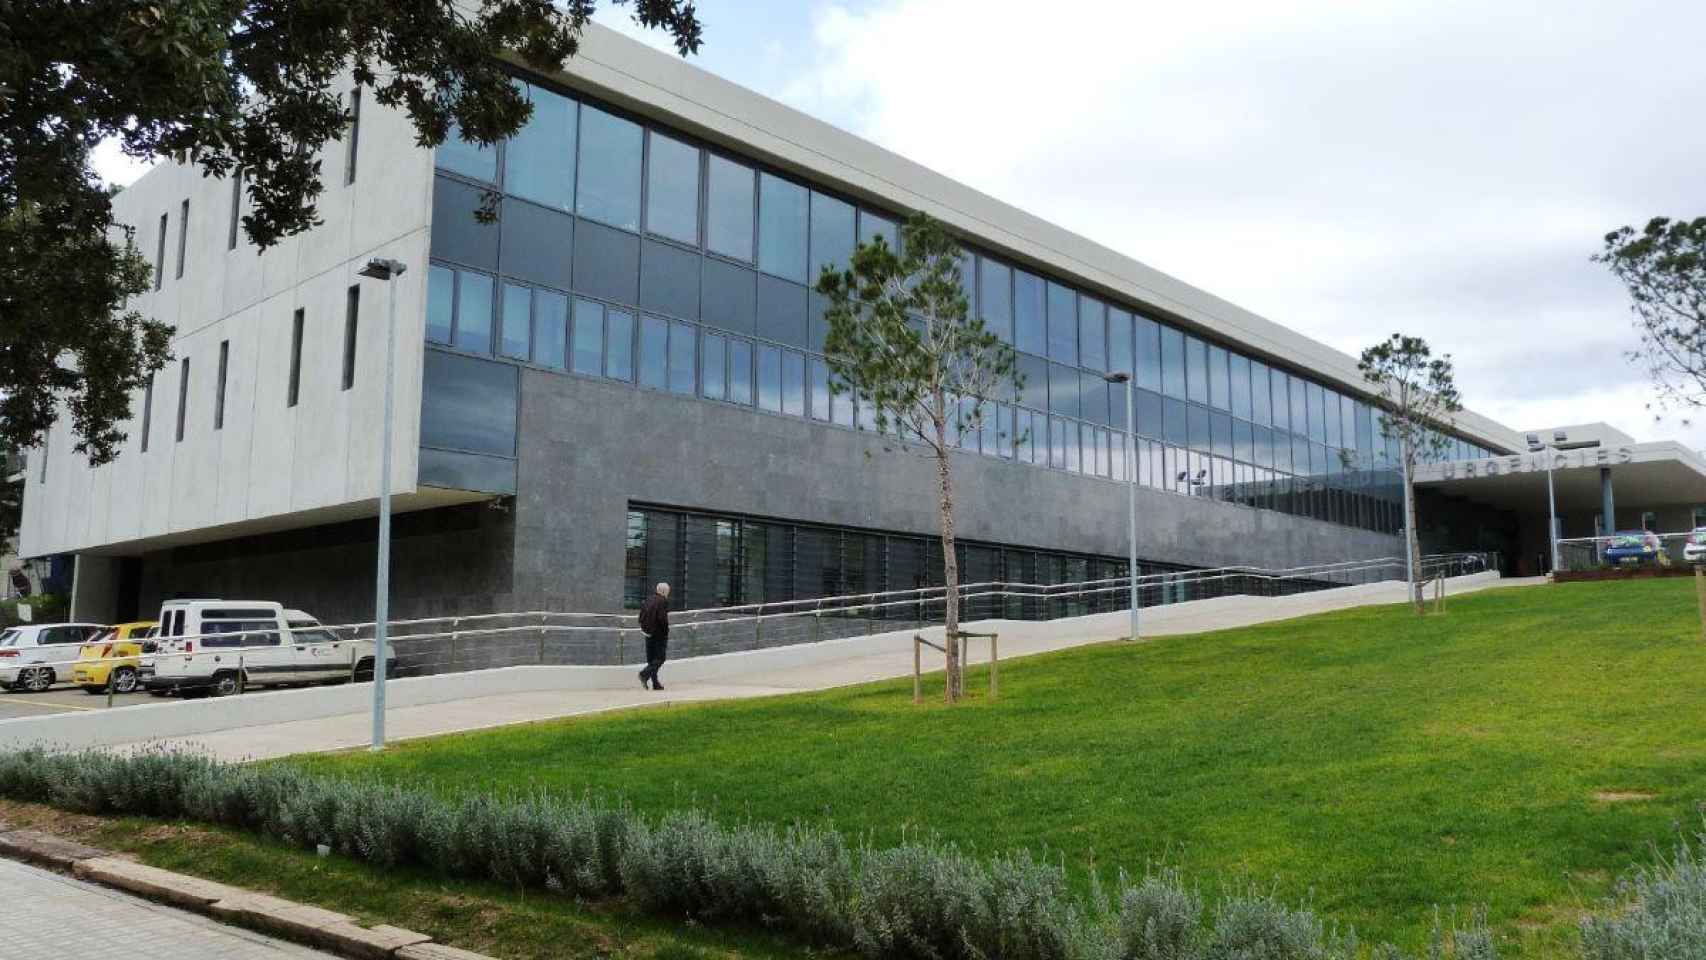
1658	912
921	899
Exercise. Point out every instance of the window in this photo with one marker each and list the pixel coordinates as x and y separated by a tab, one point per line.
1119	341
669	279
793	383
654	352
219	388
294	389
728	208
1147	348
1030	328
183	395
672	189
539	161
354	136
1063	390
147	411
466	157
550	327
352	313
872	226
1172	362
517	321
781	228
619	345
1196	370
1219	390
1281	407
609	169
769	378
831	235
682	350
1243	396
740	371
1092	334
1334	421
183	234
474	312
1062	323
589	337
160	255
441	303
820	390
713	354
468	404
236	209
995	298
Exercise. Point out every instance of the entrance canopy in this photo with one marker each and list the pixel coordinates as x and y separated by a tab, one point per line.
1643	475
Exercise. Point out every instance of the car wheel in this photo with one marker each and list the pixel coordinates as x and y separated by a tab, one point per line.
123	680
226	684
364	671
37	680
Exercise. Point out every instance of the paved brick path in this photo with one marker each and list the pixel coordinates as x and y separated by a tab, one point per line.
50	917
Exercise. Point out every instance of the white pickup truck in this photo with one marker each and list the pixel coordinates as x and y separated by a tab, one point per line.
221	647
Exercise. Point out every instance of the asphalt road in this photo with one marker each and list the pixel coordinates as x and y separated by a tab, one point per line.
63	698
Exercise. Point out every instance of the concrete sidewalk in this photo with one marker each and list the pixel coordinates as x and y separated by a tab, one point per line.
767	673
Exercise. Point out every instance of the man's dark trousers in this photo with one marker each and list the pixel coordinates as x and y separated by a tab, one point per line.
657	651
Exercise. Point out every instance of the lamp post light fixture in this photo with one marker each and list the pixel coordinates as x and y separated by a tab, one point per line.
1535	446
1131	486
380	268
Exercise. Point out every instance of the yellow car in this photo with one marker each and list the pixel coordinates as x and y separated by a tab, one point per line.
112	657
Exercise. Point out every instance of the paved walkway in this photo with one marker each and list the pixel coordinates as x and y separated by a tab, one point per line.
50	917
868	659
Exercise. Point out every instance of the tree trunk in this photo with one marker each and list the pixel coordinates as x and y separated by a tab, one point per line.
1413	541
950	570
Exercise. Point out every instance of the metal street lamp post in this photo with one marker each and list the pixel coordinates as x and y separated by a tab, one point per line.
1535	446
1131	485
380	268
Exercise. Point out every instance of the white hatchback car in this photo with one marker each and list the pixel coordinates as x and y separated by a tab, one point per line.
35	656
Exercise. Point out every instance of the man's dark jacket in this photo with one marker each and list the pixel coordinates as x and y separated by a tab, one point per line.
654	617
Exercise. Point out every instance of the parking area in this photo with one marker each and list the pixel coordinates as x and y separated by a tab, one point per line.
63	698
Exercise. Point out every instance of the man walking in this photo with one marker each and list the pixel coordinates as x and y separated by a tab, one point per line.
654	623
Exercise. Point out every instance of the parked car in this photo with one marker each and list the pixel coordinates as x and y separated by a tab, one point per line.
1694	551
113	657
1632	548
34	657
220	647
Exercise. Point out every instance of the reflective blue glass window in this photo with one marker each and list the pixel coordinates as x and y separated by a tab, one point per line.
769	378
1197	423
1219	389
1034	371
820	390
672	188
1092	333
682	348
1196	370
872	226
441	303
1172	362
995	297
654	352
1317	412
468	404
1063	390
550	327
474	312
1348	428
1093	397
539	161
728	208
1073	462
1057	443
610	150
1120	357
1149	416
1241	387
466	157
712	359
793	383
1174	427
1062	323
1333	420
1148	349
619	345
1003	436
588	338
740	371
1242	440
831	235
517	321
782	215
1299	407
1281	408
1029	311
1262	440
841	404
1220	433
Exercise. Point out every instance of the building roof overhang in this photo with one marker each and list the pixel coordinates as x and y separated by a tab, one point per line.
1643	475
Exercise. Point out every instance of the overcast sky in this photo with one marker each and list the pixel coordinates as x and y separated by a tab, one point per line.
1347	169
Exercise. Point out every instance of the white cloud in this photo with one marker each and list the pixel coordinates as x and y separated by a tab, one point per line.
1347	169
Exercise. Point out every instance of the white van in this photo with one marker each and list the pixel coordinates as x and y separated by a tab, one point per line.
220	647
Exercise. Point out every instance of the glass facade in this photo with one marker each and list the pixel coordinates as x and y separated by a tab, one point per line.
628	251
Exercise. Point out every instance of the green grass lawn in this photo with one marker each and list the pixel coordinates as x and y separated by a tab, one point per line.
1375	763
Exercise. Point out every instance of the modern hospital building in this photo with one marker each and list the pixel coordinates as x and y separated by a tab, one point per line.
619	381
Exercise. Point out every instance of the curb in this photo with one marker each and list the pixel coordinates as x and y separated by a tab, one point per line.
301	923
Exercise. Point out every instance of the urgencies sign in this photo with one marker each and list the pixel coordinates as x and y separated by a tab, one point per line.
1536	462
